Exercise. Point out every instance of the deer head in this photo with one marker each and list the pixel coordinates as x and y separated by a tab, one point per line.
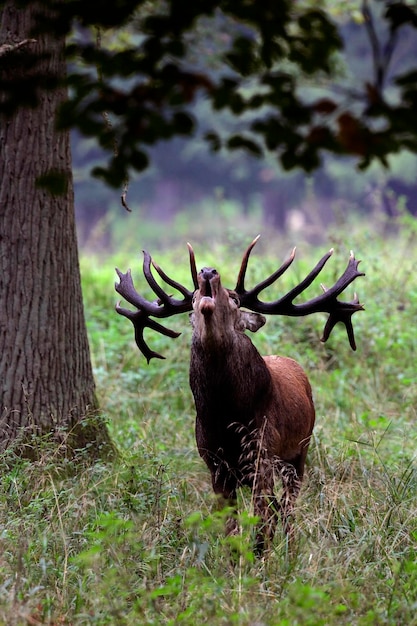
217	310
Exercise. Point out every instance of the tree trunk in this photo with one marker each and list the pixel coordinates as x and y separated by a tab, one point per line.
46	379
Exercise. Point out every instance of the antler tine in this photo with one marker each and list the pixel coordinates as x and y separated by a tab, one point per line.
127	290
168	301
164	306
343	315
285	306
140	321
193	267
308	279
327	302
162	295
338	311
240	284
170	281
248	296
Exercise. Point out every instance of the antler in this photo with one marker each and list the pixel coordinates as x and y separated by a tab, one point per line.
326	302
164	306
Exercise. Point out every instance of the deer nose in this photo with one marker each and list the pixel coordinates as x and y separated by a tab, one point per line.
207	273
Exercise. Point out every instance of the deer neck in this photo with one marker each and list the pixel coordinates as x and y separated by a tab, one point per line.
228	377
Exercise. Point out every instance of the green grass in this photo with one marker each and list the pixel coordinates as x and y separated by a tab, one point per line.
139	540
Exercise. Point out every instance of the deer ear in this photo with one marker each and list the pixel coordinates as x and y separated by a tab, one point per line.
252	321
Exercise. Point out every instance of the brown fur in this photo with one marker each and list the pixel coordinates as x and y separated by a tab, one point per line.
255	415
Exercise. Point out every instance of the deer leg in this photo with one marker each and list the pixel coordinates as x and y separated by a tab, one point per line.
226	497
267	509
291	476
228	500
264	509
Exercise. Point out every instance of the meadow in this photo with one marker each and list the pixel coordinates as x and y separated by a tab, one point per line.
139	540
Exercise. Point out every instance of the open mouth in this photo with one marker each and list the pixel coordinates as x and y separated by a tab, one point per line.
207	290
207	302
209	284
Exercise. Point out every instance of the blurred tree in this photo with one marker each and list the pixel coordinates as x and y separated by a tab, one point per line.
378	47
244	57
46	380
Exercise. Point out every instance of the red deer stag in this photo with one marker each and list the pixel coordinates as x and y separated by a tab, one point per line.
255	415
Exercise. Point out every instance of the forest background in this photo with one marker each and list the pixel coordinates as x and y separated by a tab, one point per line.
186	181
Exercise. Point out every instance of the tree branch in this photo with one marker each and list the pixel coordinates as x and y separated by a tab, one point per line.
8	48
375	45
107	122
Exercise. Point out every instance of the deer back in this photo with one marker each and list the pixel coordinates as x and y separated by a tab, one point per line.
291	411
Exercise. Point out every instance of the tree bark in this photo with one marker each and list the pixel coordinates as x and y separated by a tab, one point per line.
46	379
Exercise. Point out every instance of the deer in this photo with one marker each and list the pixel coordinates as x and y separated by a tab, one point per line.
254	414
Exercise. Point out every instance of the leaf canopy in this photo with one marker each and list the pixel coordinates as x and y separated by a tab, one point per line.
137	69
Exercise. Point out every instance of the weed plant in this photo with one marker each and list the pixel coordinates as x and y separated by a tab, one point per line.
139	541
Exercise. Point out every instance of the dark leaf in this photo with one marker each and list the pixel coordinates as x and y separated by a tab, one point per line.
238	142
214	140
243	58
398	13
139	160
183	123
325	106
288	160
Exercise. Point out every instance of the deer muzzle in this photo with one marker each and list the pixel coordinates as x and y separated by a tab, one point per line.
209	284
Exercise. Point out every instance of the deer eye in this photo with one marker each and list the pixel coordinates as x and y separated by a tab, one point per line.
235	298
